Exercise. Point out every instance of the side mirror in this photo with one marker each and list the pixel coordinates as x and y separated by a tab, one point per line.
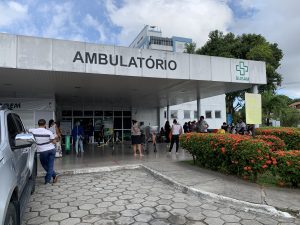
24	140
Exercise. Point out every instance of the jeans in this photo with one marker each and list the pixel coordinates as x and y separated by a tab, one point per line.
78	143
47	161
175	138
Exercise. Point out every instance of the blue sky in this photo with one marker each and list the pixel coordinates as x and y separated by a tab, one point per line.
117	22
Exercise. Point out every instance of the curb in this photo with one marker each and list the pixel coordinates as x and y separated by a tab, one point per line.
247	206
93	170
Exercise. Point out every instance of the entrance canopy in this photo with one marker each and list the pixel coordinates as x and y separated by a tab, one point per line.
116	76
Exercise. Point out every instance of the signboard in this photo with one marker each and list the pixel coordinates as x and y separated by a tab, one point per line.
253	108
240	71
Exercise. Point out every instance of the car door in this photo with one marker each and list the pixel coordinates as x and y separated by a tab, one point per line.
20	155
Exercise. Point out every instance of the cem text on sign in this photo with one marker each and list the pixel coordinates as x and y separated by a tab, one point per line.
11	105
119	60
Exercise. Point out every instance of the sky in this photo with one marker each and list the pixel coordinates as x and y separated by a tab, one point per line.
117	22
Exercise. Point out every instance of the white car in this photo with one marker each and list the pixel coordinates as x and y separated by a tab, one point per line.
18	168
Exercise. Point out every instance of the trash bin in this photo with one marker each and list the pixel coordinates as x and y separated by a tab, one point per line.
67	143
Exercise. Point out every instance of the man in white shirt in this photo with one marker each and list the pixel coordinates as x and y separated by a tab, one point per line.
176	131
45	141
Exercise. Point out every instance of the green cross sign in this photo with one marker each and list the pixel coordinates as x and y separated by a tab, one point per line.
241	68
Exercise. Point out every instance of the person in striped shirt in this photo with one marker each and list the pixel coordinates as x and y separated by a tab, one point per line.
45	141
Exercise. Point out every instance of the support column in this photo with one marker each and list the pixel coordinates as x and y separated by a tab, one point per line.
168	112
255	89
158	117
198	108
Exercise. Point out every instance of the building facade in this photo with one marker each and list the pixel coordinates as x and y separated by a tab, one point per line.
110	85
213	108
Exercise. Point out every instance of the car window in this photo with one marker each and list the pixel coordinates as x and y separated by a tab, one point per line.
12	129
19	124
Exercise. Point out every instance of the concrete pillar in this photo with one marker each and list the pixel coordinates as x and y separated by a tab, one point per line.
255	89
168	112
198	108
158	116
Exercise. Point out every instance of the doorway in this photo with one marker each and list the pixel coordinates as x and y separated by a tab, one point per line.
87	125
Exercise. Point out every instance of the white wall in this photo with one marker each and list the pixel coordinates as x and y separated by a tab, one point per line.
31	110
148	116
59	55
216	103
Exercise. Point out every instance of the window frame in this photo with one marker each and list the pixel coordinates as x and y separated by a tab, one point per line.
208	111
216	114
189	114
171	114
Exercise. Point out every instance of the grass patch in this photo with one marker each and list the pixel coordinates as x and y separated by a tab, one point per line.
266	179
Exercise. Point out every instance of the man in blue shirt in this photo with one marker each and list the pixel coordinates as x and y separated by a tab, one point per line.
78	134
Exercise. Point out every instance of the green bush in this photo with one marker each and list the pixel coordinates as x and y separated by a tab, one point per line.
288	166
290	136
234	154
275	143
243	155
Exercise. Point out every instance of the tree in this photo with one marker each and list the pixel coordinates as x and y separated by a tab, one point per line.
273	106
290	117
190	48
246	46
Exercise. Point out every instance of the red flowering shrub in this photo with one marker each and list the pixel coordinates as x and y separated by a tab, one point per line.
236	154
290	136
243	155
288	166
275	143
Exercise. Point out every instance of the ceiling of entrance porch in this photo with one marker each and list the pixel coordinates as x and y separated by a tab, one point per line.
108	90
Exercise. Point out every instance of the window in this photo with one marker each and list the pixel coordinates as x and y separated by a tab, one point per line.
77	113
118	123
12	130
127	123
217	114
108	113
67	113
187	114
126	113
88	113
208	115
195	114
174	114
117	113
99	113
19	124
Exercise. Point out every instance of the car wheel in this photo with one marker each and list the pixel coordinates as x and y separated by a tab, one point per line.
11	215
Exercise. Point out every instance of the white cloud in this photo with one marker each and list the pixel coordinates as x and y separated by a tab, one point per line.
186	18
12	12
95	24
279	22
63	23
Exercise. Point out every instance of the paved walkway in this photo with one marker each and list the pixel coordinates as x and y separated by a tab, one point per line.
131	197
172	166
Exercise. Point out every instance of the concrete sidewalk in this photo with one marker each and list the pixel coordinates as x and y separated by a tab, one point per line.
172	166
286	199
